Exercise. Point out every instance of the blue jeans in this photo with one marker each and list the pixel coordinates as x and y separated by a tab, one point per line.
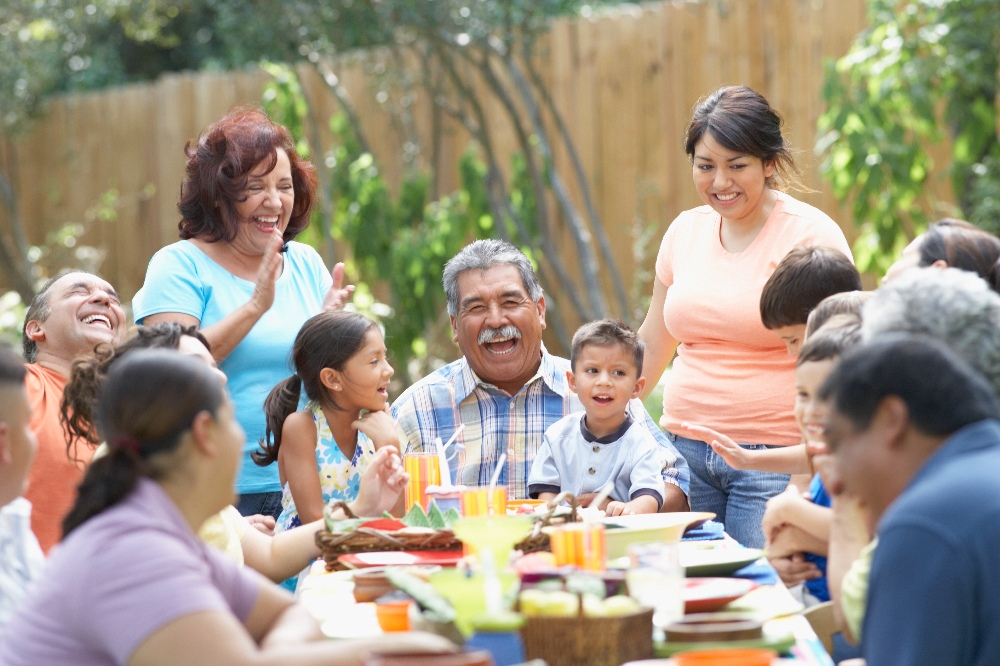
268	504
737	497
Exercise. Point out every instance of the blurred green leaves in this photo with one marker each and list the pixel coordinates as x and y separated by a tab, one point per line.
925	70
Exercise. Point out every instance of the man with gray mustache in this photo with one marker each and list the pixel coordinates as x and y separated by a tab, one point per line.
506	389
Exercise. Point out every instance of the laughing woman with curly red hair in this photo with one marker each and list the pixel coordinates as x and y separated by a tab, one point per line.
238	275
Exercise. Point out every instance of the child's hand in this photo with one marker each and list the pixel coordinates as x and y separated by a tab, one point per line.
794	569
379	427
381	484
616	508
777	511
642	504
735	455
263	524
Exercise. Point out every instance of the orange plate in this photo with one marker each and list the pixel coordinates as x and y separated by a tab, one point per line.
445	558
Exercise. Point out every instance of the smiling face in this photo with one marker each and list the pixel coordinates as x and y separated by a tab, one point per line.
363	383
733	184
83	311
498	327
810	411
605	378
266	206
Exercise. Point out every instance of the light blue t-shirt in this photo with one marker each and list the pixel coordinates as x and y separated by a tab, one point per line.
182	278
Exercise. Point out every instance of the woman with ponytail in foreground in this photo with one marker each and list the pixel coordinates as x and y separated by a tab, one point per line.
131	583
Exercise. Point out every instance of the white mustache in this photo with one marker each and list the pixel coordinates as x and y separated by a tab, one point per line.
504	332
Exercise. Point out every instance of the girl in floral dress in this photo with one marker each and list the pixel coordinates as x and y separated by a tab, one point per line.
322	450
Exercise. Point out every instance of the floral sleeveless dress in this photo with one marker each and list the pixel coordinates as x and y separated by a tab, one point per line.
339	478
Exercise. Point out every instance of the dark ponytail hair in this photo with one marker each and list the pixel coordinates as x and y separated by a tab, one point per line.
145	406
743	121
326	340
76	412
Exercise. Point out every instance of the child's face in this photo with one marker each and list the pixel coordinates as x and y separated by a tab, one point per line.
810	411
365	377
17	443
792	336
605	379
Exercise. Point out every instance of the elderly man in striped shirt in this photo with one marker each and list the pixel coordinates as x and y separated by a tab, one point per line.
506	389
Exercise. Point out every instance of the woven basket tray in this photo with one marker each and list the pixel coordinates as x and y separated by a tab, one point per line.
364	540
589	641
537	540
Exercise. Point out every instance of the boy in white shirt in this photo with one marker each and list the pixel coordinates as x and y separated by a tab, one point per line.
581	453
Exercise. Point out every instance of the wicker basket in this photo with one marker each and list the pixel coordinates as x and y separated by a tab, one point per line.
589	641
538	540
363	540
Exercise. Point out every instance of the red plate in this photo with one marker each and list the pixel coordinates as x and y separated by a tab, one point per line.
387	558
704	595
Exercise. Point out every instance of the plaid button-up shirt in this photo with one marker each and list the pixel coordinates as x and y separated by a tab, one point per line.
496	422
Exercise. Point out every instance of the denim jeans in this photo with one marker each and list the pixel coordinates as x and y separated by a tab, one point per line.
737	497
268	504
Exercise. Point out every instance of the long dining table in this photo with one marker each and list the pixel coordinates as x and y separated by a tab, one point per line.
328	595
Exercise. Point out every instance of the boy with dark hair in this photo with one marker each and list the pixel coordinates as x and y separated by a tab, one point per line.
22	556
801	280
583	453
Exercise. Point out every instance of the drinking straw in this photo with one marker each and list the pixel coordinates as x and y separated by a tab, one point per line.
493	483
443	463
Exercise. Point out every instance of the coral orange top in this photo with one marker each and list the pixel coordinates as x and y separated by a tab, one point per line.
731	373
53	478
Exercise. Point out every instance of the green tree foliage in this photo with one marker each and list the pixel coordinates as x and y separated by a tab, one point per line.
924	71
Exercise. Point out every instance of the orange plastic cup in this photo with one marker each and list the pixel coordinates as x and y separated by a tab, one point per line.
579	544
477	502
393	615
424	470
727	657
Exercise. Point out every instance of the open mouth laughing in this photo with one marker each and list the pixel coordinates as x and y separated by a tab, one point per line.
500	341
265	224
98	319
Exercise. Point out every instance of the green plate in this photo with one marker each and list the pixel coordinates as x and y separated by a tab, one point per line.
718	562
780	644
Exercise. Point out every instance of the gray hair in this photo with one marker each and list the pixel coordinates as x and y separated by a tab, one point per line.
39	310
483	255
953	306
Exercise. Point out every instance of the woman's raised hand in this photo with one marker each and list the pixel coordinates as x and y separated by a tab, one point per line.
381	483
338	295
267	275
735	455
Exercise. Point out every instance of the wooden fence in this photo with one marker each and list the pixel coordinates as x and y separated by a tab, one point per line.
626	82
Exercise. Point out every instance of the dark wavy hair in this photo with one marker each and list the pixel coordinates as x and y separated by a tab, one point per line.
76	411
743	121
326	340
146	405
219	166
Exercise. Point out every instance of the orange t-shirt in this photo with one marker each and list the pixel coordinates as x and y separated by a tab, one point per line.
731	373
53	478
